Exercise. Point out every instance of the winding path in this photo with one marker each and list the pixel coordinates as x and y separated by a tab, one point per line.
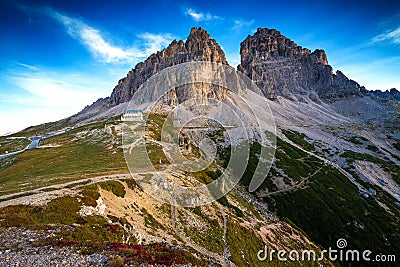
326	161
43	195
35	141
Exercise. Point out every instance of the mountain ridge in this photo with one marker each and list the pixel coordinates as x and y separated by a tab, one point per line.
280	67
198	46
335	172
274	62
307	75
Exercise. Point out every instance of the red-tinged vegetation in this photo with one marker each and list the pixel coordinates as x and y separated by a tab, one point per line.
150	254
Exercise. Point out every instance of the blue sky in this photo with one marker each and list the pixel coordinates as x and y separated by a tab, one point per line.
58	56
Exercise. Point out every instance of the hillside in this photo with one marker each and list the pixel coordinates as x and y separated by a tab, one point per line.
334	174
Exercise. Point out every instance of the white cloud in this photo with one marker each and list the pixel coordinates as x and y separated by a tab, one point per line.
200	16
154	42
51	92
30	67
240	24
392	36
103	49
93	40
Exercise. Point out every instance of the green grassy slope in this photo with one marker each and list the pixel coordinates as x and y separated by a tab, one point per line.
72	159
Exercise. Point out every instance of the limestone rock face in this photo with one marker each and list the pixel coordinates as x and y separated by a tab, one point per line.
198	47
281	67
275	63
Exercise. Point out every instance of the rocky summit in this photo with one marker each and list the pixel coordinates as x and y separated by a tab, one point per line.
198	46
277	65
282	68
334	175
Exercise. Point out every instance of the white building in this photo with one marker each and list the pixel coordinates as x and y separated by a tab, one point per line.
132	115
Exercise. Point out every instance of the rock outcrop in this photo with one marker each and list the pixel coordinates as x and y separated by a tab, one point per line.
275	63
198	46
281	67
392	94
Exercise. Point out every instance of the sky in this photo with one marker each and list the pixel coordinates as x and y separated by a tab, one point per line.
56	57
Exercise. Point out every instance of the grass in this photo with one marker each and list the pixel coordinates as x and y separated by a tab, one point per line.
372	148
326	211
296	164
211	237
90	234
224	201
11	145
358	140
156	155
387	165
72	160
60	211
155	126
90	195
326	208
114	186
131	183
150	221
244	245
299	139
397	146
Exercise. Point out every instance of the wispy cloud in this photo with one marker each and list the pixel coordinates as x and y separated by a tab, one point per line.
102	49
391	36
154	42
240	24
201	16
51	89
37	95
30	67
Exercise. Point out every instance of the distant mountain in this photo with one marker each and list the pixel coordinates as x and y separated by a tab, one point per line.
282	68
275	63
199	46
336	168
392	94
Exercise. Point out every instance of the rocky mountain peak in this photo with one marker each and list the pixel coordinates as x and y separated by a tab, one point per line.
320	56
281	67
275	63
270	44
199	46
198	33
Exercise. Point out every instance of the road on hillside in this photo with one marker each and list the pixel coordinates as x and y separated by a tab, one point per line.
35	141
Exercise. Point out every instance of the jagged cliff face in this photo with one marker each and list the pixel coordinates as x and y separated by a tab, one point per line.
275	63
199	47
281	67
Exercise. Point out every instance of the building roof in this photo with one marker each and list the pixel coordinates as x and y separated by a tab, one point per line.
133	110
